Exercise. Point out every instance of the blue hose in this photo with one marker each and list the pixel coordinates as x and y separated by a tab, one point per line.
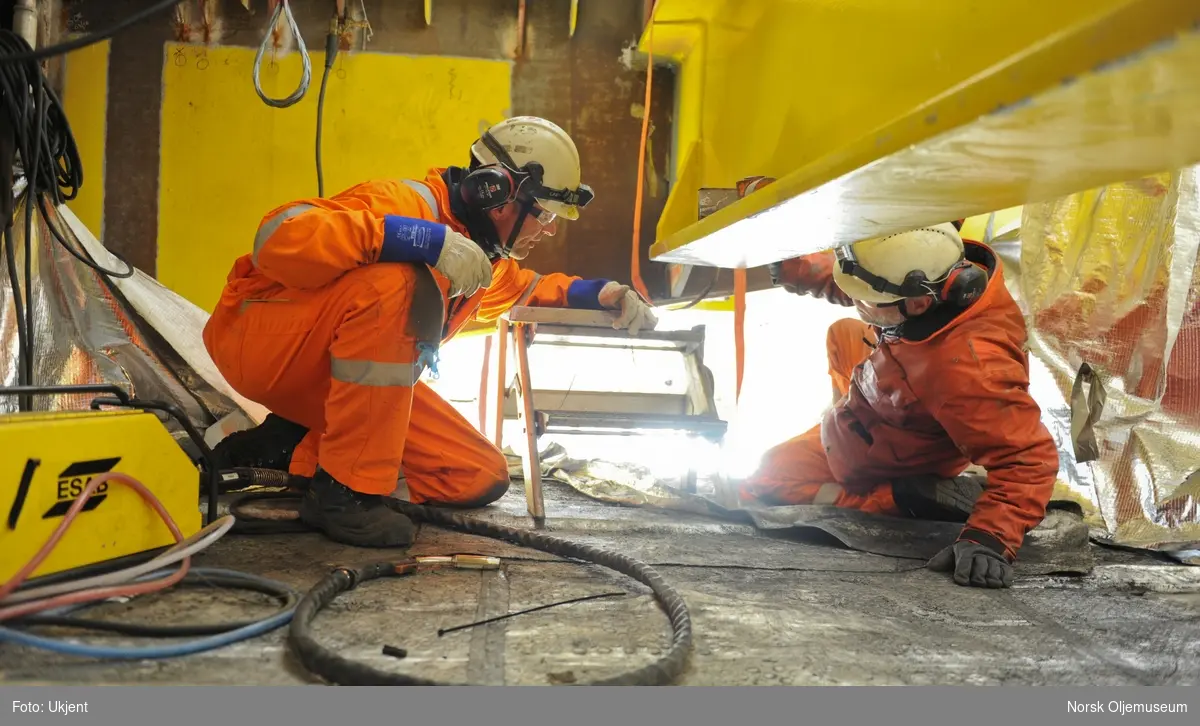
174	650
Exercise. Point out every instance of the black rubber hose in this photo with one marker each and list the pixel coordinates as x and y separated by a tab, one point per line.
343	671
331	49
285	594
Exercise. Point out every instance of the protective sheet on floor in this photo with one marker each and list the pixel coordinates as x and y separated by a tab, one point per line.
1059	545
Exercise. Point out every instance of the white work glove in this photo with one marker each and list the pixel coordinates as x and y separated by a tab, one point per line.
464	264
635	314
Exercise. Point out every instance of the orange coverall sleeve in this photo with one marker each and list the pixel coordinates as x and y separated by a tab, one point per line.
811	275
982	401
309	243
513	286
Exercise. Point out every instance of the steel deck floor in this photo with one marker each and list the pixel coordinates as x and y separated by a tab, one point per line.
766	611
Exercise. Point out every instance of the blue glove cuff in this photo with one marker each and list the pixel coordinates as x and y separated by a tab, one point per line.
585	294
406	239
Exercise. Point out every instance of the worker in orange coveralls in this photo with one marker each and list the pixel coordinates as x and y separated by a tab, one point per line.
344	302
932	379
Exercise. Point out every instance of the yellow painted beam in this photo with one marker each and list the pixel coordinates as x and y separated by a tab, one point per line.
85	101
1108	93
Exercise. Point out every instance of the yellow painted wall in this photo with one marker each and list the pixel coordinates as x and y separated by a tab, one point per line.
85	100
228	158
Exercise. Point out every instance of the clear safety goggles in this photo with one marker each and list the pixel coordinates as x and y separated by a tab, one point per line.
544	217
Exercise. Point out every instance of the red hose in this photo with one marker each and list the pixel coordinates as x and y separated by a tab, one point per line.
99	593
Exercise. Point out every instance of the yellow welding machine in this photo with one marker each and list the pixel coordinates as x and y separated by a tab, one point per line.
46	459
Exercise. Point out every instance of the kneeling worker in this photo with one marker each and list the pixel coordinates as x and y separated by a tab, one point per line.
934	378
343	303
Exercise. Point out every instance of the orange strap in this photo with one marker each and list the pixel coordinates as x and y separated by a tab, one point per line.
739	327
635	266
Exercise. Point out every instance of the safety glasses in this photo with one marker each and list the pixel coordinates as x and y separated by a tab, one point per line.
544	217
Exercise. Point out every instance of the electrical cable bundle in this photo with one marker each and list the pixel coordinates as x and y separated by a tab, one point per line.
29	606
206	636
35	128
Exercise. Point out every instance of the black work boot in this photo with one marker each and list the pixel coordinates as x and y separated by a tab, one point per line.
937	498
353	518
266	446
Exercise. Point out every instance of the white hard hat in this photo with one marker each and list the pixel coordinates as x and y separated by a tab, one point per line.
529	139
874	270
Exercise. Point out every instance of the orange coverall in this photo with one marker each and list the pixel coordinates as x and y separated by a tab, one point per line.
950	392
318	330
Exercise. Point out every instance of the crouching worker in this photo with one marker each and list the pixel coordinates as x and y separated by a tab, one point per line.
343	304
932	379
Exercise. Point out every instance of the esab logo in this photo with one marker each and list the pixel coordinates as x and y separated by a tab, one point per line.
72	481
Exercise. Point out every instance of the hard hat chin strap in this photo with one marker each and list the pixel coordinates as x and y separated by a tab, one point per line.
525	208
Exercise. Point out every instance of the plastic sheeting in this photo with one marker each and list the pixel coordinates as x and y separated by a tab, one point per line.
1109	281
131	332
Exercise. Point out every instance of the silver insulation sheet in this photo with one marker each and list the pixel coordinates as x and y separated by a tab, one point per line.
131	332
1109	282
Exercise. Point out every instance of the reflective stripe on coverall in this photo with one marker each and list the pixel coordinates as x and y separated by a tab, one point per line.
312	327
926	406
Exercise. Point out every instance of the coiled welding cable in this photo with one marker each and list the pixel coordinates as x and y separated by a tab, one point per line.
343	671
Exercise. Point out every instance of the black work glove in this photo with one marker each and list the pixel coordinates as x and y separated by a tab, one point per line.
973	565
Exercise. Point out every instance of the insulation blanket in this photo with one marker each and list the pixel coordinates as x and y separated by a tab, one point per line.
1059	545
1109	283
131	332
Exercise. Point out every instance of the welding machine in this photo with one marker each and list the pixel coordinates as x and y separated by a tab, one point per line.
46	459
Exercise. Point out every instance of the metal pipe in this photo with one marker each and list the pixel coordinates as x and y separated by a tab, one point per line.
25	22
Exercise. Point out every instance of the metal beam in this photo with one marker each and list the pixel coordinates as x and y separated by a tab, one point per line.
1113	97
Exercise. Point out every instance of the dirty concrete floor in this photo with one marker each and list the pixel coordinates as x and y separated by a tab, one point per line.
766	611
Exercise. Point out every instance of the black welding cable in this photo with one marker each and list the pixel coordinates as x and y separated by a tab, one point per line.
51	166
14	281
49	156
712	281
331	49
286	595
341	670
90	38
